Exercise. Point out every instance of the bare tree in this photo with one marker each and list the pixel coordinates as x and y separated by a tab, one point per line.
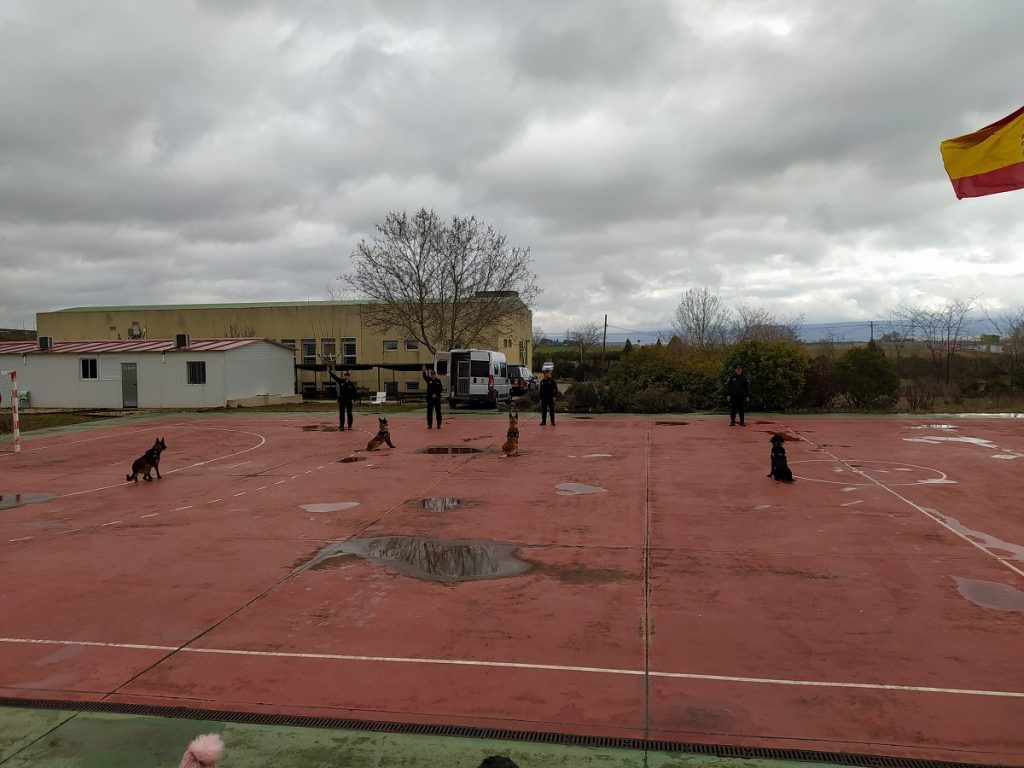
444	284
584	336
901	330
757	323
537	337
701	319
941	330
1010	327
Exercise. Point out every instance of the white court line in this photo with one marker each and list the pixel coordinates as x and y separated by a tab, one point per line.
115	522
214	501
904	499
151	514
851	503
260	444
262	488
518	665
280	481
241	493
23	538
107	436
179	509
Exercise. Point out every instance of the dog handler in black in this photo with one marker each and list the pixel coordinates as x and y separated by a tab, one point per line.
548	390
435	388
737	392
346	396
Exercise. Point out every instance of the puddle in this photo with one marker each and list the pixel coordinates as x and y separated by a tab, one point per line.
991	594
986	540
336	506
8	500
440	503
350	459
671	423
452	449
939	439
318	428
1010	456
577	489
596	456
429	559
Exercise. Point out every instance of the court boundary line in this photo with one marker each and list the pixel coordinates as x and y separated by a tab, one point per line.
516	665
904	499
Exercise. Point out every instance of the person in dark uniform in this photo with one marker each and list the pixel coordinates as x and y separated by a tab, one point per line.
737	392
346	396
548	391
435	388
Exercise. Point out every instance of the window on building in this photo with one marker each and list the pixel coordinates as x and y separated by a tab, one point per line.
328	350
412	385
390	345
411	345
290	343
88	368
309	350
348	351
391	387
196	371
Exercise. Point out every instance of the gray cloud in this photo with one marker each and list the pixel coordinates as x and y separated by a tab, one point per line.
778	152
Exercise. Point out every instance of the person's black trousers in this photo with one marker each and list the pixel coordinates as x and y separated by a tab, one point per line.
736	405
433	408
343	409
546	407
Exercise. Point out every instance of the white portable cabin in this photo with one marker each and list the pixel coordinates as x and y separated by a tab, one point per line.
473	376
147	373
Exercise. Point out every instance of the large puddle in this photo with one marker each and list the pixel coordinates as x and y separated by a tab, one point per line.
577	489
991	594
8	500
429	559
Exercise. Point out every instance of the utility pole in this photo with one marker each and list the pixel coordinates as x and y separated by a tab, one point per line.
604	342
872	322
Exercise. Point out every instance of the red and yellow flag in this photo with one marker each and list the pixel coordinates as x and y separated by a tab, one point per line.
987	161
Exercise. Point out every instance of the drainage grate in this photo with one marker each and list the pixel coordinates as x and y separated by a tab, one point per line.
494	734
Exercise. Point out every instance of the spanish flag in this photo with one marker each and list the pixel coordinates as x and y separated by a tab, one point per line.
987	161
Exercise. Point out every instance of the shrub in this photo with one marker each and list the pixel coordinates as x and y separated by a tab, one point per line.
775	369
920	395
659	399
867	377
821	385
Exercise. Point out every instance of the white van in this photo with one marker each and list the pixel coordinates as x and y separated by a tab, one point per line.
473	376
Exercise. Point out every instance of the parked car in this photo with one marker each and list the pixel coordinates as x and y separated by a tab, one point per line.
522	379
548	367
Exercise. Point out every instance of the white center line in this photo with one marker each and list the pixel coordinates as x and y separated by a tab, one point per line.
517	665
214	501
151	514
240	494
23	538
179	509
115	522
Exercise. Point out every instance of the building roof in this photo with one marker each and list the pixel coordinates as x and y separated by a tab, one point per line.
127	345
238	305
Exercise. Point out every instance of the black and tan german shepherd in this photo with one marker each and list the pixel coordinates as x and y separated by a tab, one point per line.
148	462
511	445
780	466
383	435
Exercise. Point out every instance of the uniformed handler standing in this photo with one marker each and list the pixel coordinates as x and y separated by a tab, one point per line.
435	388
346	396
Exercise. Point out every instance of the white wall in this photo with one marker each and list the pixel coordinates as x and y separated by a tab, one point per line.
259	369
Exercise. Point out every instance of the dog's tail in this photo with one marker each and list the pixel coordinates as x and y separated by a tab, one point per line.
203	752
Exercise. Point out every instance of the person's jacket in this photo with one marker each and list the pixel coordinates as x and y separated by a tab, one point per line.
346	389
737	386
435	387
548	388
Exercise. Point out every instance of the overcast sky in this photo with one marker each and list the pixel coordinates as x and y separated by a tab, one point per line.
780	153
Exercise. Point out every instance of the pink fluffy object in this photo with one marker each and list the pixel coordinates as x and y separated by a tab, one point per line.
203	752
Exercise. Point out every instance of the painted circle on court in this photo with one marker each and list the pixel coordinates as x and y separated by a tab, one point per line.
867	472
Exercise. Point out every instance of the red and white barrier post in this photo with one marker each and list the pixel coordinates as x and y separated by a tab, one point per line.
14	409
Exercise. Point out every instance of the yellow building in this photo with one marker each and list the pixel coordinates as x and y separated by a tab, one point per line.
316	330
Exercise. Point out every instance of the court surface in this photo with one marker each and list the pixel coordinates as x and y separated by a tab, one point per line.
635	578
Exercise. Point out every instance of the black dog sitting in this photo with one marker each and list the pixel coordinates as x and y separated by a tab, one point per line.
780	467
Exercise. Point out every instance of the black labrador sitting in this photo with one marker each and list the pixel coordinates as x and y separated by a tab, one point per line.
780	467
